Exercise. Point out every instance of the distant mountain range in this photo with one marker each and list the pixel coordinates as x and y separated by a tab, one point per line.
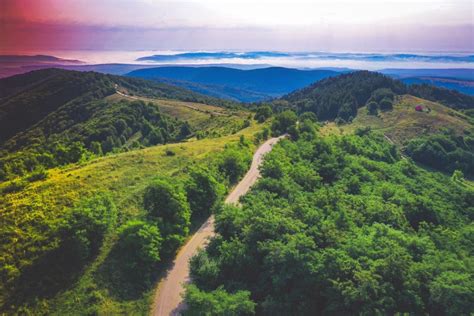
242	82
236	84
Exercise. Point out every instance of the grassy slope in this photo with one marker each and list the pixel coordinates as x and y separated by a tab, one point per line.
403	122
200	116
125	176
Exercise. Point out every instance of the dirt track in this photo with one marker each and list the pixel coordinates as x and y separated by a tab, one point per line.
168	300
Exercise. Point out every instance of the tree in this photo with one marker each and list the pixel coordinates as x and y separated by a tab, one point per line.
139	245
96	148
263	113
283	122
372	108
204	192
233	164
457	176
155	137
308	116
167	205
386	104
87	224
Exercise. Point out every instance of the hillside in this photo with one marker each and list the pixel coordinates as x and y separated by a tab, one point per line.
74	179
50	113
236	84
342	96
32	216
437	136
404	123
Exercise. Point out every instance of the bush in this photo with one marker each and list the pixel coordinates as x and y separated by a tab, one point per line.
167	205
139	246
233	164
263	113
372	108
204	192
218	302
14	186
38	174
283	122
386	104
86	226
170	153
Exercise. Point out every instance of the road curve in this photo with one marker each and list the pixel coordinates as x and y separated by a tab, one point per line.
168	300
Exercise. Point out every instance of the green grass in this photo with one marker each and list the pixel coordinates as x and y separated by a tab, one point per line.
215	121
403	122
27	216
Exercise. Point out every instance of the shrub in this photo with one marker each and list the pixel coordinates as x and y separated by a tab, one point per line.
204	192
263	113
14	186
218	302
386	104
170	153
38	174
283	122
167	205
86	226
139	246
233	164
372	108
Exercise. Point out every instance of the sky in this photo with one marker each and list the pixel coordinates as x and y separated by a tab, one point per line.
285	25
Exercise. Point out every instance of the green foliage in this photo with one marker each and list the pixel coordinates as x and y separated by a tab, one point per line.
445	151
218	302
86	226
451	98
233	163
308	116
263	113
168	207
341	96
139	247
203	192
283	122
38	174
343	226
372	108
64	117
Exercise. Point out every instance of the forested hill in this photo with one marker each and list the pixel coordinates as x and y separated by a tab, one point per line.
28	98
54	117
341	96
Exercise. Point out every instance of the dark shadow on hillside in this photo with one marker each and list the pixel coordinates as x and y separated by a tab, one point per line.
123	283
50	274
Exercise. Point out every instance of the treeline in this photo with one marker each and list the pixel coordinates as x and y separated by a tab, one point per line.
445	151
340	225
58	251
339	97
81	130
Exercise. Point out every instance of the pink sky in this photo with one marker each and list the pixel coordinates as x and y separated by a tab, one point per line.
297	25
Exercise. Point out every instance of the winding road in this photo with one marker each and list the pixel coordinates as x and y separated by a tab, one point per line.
168	300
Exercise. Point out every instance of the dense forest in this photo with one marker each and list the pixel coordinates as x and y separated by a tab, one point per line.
340	225
339	97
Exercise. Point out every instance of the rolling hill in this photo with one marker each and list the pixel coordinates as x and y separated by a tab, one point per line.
54	111
93	137
342	96
235	84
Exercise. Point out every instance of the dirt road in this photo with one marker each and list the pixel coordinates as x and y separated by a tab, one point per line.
168	300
